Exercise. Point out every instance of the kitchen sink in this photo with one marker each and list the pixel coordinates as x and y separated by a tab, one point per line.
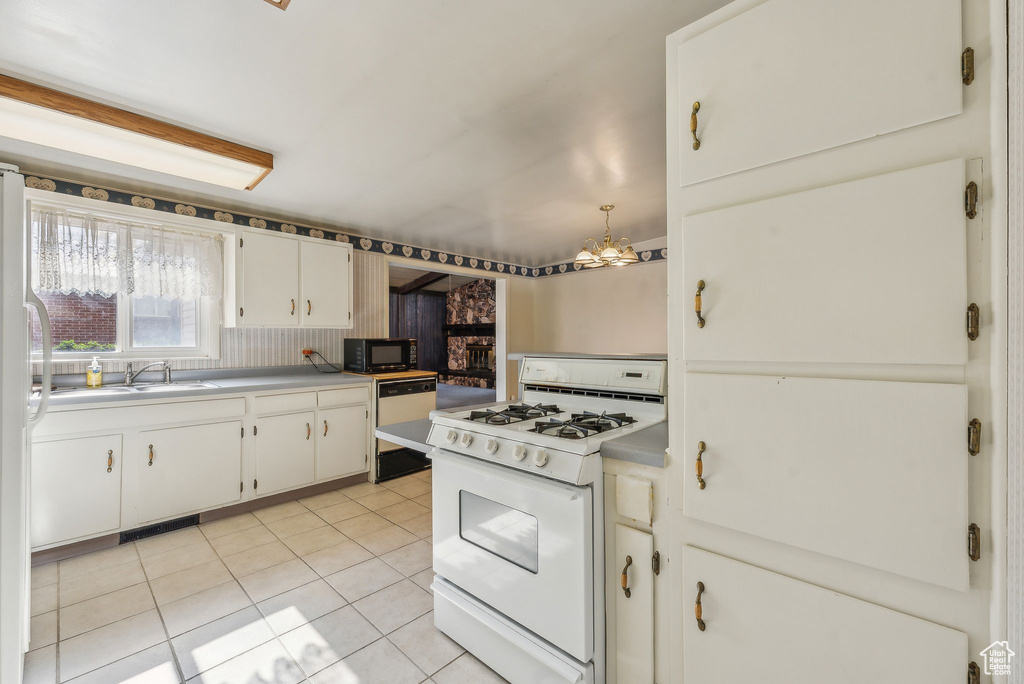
173	386
92	391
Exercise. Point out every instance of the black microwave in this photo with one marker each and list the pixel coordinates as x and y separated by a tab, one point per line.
380	355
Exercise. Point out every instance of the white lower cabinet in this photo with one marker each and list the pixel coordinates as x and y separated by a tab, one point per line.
634	606
341	441
284	452
759	626
76	488
186	469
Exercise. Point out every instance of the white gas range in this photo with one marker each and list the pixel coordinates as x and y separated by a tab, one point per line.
518	503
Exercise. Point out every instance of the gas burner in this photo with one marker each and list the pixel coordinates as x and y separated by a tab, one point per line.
494	417
561	428
534	411
601	422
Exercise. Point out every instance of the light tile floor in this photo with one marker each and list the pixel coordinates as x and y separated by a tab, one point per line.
329	589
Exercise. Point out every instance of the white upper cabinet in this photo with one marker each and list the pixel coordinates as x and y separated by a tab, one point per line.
867	471
285	282
762	627
325	276
869	271
812	75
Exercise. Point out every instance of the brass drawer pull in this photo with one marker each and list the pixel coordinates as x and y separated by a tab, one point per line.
697	303
309	431
309	307
693	125
701	446
150	454
624	578
698	611
293	307
110	460
325	428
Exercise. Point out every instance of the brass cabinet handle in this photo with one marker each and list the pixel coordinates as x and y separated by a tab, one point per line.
693	125
110	460
325	428
701	446
698	611
150	454
293	307
697	303
309	307
309	431
624	578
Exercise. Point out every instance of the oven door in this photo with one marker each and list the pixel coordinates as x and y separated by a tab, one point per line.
520	543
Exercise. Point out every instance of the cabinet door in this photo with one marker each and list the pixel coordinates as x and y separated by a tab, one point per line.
791	77
341	442
634	614
76	488
187	469
870	271
832	466
270	280
284	452
326	277
763	627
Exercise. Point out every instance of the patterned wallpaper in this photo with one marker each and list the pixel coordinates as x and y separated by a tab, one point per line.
258	347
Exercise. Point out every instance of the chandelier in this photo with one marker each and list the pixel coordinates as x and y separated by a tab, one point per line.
617	253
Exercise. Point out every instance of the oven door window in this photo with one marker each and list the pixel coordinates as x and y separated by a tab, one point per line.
506	532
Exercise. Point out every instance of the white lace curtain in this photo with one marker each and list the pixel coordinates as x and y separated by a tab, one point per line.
82	254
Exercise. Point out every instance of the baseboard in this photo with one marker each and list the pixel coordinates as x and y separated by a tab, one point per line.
59	553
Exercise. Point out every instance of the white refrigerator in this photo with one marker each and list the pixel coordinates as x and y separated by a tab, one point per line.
17	418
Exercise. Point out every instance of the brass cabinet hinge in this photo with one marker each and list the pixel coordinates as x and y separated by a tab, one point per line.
973	673
255	483
967	66
971	200
241	312
656	563
253	430
974	437
243	432
241	487
241	242
350	258
973	542
973	321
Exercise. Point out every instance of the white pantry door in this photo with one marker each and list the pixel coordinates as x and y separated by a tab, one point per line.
836	210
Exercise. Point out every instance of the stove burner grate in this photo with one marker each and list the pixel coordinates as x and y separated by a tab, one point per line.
582	425
513	414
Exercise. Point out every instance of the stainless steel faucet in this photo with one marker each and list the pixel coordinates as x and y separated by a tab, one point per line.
130	374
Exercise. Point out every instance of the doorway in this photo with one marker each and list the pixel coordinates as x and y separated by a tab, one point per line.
453	317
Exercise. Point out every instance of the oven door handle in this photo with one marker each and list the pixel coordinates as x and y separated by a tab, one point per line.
558	490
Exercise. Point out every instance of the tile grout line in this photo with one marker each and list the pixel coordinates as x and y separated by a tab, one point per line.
163	623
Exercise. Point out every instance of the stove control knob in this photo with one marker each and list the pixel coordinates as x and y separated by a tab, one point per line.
451	436
540	459
491	446
519	453
467	439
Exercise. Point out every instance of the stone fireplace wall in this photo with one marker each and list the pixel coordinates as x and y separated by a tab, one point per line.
472	303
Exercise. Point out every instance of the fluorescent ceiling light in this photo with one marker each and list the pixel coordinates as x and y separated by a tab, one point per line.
48	117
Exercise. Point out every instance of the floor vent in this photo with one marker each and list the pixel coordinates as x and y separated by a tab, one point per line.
159	528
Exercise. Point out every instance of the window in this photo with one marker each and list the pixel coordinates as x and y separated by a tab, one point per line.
119	289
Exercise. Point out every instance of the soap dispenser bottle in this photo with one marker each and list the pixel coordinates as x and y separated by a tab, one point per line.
94	374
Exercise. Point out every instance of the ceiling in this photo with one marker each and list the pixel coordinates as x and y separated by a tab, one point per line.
494	129
399	276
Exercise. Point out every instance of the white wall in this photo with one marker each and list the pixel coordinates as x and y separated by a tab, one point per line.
613	310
